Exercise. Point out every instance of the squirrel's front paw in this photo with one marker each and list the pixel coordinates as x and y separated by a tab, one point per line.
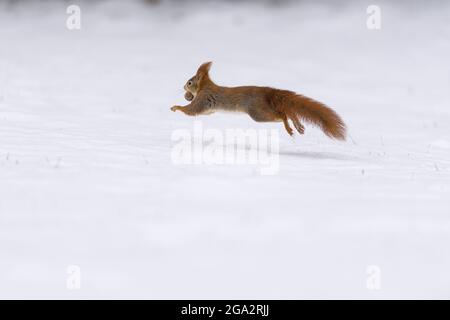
175	108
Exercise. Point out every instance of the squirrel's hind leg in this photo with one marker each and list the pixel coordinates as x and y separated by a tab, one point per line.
287	127
300	128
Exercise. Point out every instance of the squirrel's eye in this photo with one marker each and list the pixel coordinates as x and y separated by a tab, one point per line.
189	83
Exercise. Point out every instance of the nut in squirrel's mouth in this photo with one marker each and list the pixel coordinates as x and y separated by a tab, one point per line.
186	88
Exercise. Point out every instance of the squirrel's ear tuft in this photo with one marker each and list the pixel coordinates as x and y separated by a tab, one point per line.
204	69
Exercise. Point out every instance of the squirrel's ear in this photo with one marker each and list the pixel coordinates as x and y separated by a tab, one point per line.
204	69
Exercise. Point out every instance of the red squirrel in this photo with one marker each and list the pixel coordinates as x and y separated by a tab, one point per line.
262	104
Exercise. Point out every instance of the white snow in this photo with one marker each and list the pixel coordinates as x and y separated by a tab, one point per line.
86	176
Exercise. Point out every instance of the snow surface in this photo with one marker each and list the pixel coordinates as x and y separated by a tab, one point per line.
86	176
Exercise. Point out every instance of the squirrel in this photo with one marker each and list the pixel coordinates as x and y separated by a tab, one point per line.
262	104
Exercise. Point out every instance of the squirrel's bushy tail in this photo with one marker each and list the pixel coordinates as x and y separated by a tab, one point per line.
312	111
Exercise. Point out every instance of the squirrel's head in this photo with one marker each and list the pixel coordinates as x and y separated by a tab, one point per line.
194	84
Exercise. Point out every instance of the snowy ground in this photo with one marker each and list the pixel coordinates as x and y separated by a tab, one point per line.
86	176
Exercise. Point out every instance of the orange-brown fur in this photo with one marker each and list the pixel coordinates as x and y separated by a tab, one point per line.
262	104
